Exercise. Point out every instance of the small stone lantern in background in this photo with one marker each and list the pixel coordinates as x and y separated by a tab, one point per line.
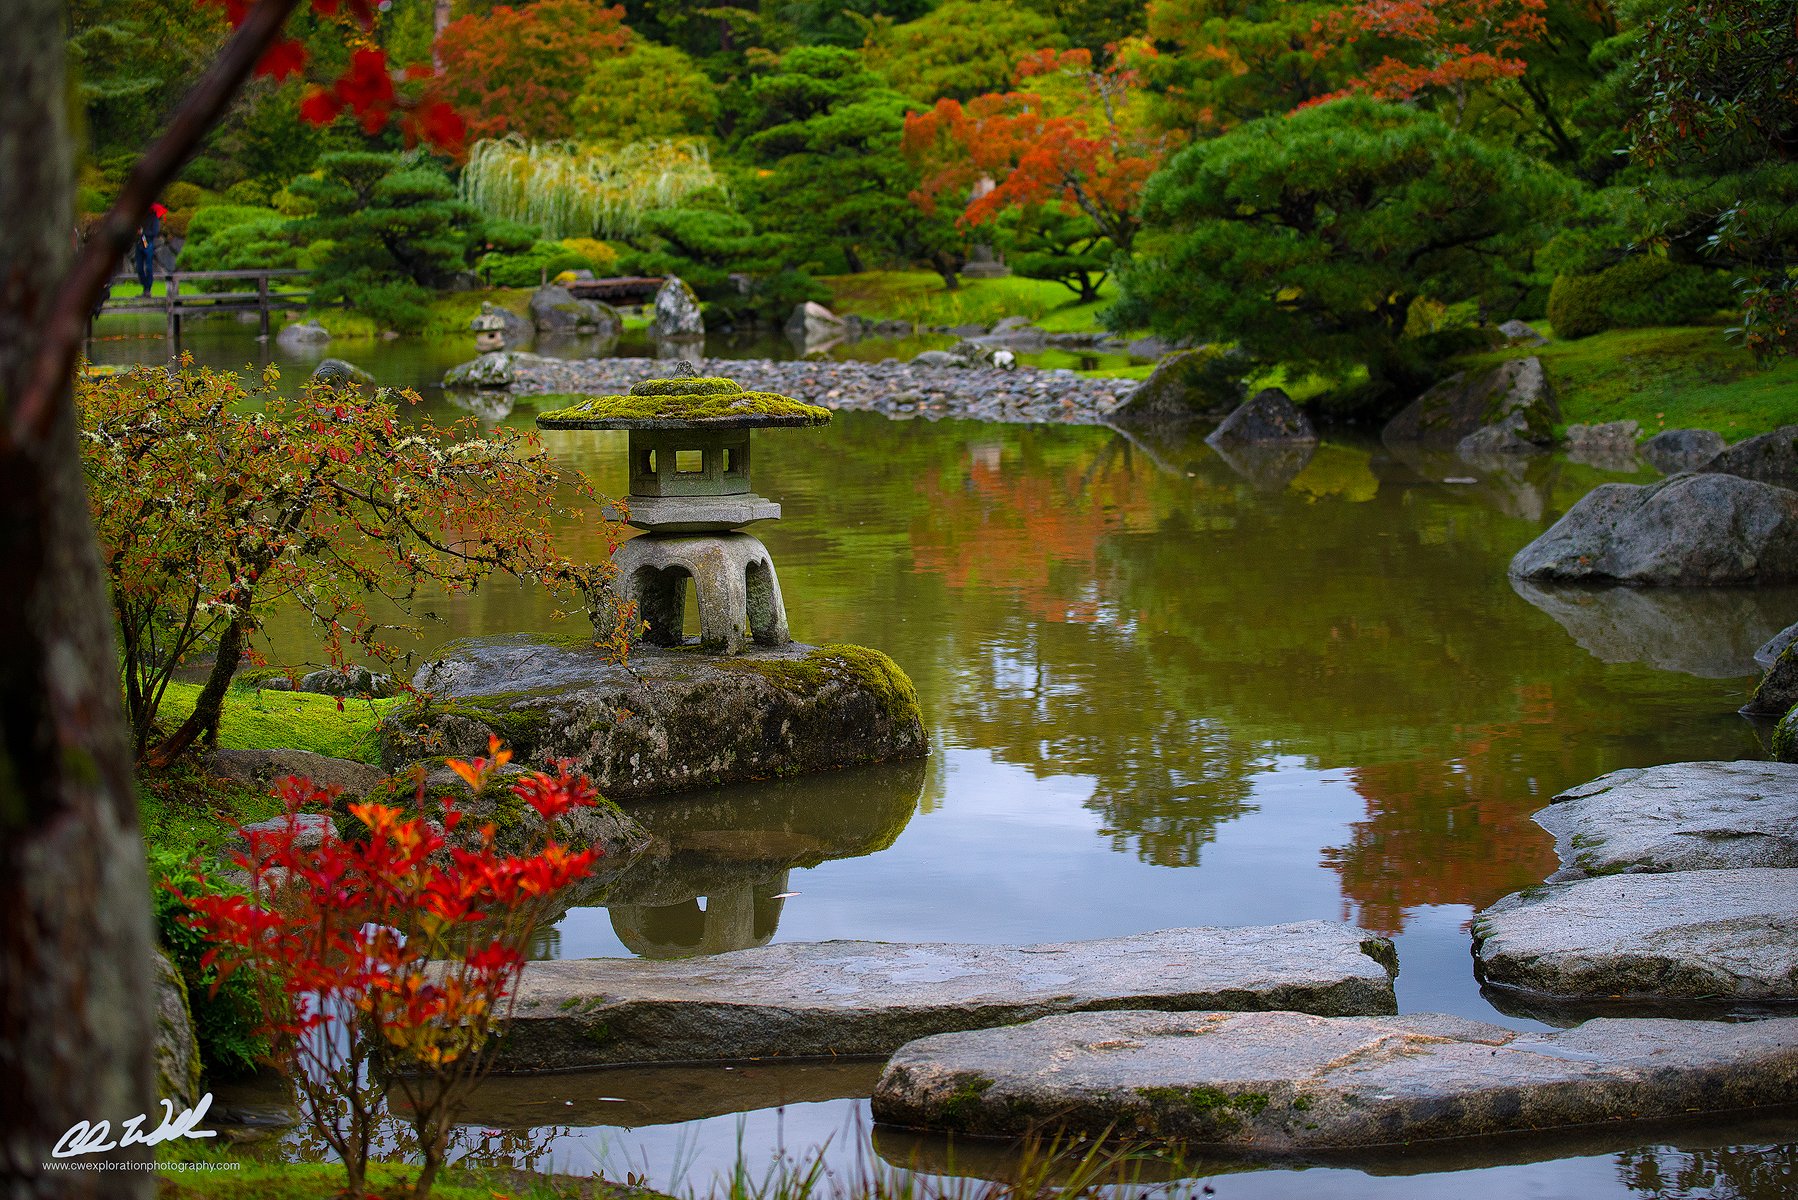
489	332
690	493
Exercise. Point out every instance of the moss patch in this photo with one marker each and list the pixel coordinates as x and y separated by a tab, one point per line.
1212	1105
873	671
688	385
961	1104
254	719
185	814
698	407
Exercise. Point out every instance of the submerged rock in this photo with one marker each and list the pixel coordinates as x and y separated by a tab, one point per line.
1509	409
1690	530
1269	418
1690	816
1282	1083
1674	450
1769	458
799	999
1723	935
671	720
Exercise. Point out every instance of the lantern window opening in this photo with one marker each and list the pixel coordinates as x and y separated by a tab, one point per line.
689	462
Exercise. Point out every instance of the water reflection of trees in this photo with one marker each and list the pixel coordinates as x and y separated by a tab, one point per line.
1145	616
1724	1173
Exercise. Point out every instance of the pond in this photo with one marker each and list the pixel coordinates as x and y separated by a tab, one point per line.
1162	689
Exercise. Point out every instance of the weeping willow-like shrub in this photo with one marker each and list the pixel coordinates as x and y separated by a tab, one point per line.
569	190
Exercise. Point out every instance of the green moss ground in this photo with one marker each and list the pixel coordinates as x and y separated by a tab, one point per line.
1679	378
245	1180
920	297
264	720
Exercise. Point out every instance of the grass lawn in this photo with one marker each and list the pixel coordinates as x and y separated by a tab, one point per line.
1678	378
319	1181
920	297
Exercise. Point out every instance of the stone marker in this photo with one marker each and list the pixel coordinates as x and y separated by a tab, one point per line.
1688	935
1687	531
812	999
1691	816
1279	1083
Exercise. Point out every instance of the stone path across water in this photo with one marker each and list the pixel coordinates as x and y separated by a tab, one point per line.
1684	935
814	999
1287	1083
892	387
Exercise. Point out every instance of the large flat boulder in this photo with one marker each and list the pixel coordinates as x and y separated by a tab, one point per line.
1509	409
798	999
1691	816
1723	935
669	720
1282	1083
1690	530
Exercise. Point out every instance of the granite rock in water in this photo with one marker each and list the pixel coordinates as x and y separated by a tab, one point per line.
1282	1083
338	371
799	999
1723	935
671	720
1187	385
1609	447
1269	417
555	310
1774	646
677	313
1690	530
1674	450
1689	816
1777	690
302	335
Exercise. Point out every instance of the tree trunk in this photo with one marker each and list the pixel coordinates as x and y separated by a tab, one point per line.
207	709
76	1023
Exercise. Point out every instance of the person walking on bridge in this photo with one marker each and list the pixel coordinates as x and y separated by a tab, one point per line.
144	253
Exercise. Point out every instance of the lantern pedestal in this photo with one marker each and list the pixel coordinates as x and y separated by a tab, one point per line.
733	577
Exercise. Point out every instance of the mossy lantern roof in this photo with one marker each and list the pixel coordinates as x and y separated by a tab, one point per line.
686	402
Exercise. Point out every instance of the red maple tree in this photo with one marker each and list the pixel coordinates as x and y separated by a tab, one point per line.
1447	45
518	70
1081	148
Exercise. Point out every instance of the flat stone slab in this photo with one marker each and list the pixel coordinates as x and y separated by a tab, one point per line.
1689	935
815	999
1679	817
1281	1083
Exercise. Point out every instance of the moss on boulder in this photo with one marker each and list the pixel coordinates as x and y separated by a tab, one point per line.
689	399
671	720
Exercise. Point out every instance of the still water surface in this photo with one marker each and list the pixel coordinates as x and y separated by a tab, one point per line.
1162	689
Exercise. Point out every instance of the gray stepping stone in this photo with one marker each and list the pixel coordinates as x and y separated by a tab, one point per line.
1678	817
1686	935
814	999
1286	1083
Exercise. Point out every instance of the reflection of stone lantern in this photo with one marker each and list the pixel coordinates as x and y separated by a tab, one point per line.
489	332
689	471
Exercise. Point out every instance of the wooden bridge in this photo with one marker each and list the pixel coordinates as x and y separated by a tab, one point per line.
618	289
268	296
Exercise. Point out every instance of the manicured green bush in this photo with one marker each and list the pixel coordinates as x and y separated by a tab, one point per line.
1641	291
543	261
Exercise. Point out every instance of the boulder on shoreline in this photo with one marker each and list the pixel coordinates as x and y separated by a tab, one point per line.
670	720
1609	447
1719	936
299	337
1777	691
1674	450
677	313
1187	385
1509	409
1689	816
555	310
1269	418
1289	1084
816	999
1768	458
1695	530
494	369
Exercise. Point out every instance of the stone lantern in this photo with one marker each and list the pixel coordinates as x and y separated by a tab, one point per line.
489	332
690	493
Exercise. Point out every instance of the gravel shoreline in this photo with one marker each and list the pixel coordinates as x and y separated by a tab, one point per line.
892	387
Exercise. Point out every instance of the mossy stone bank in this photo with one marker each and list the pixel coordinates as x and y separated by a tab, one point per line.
669	720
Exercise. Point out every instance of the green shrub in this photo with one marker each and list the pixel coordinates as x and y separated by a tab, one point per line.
225	1020
399	304
183	194
249	191
544	260
210	220
1639	292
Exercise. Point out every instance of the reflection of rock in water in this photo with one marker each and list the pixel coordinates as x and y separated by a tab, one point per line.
1517	485
1267	468
637	1096
732	848
691	349
490	406
1708	632
576	345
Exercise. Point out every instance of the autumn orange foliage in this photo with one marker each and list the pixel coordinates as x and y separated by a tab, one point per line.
1448	45
518	70
1077	145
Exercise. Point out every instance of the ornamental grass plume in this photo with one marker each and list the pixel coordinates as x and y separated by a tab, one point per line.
389	959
